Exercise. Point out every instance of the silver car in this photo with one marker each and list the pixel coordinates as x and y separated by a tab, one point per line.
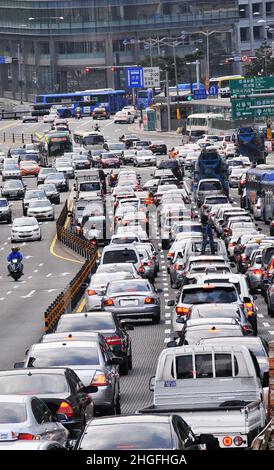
26	417
97	288
93	365
42	210
135	298
25	229
43	173
11	171
254	271
118	267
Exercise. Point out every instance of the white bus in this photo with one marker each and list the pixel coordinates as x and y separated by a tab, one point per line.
198	124
223	84
89	140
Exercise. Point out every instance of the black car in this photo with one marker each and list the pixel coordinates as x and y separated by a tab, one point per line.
52	192
106	323
13	189
17	152
129	139
59	179
61	390
140	432
172	165
5	211
158	147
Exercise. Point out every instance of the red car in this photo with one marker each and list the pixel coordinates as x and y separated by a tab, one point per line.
108	160
29	168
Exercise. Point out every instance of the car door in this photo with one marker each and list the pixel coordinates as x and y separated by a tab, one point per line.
113	370
49	428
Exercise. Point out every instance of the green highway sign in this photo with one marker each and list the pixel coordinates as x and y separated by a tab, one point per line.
247	86
252	107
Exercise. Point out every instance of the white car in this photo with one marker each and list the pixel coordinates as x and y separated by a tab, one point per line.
25	229
123	117
131	109
49	118
42	210
65	167
144	157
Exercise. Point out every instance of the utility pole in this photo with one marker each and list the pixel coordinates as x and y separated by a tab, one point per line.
20	72
198	74
168	102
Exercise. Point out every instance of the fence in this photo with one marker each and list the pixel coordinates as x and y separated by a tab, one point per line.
70	296
13	138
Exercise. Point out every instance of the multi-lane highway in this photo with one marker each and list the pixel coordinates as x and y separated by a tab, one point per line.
49	267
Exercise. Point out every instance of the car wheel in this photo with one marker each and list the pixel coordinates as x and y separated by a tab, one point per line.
124	368
156	319
40	238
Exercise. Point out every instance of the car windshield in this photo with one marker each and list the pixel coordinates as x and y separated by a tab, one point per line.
13	184
49	188
127	436
210	186
127	286
17	151
33	384
90	186
55	177
62	356
108	268
3	203
26	222
40	204
10	167
12	413
94	322
190	228
208	295
116	146
217	200
35	194
47	170
120	256
194	336
99	279
63	164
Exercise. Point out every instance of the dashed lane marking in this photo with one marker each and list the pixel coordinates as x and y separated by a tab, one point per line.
49	275
166	340
9	292
36	270
41	264
30	294
266	324
2	298
29	277
271	332
168	322
167	315
51	290
260	315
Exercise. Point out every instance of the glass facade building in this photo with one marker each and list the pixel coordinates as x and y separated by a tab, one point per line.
56	40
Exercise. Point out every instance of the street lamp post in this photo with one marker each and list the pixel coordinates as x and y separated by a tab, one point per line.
20	80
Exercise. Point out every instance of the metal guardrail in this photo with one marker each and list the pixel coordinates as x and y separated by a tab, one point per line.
67	300
16	138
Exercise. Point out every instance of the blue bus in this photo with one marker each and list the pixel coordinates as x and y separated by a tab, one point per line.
87	100
254	179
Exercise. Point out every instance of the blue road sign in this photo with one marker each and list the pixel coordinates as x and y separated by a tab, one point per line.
135	77
213	90
200	94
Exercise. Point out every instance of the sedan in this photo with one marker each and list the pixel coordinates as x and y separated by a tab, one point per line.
144	157
51	192
42	210
60	389
158	147
28	418
109	160
5	211
80	162
43	173
93	365
65	167
29	118
29	168
138	432
128	156
60	181
25	229
113	330
32	195
132	298
11	171
97	288
13	189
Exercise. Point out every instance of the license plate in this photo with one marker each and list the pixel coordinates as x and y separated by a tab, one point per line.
127	303
5	436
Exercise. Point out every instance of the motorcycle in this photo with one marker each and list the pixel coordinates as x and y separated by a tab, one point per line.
78	115
15	268
97	128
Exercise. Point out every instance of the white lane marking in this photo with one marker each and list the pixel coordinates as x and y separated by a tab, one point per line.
167	332
49	275
260	315
168	322
35	271
51	290
166	340
167	314
5	243
266	324
9	238
166	295
15	287
23	244
166	289
28	257
109	124
41	264
271	332
165	283
24	282
28	295
2	249
2	298
29	277
65	274
9	292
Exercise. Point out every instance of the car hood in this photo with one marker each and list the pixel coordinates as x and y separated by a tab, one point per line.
29	228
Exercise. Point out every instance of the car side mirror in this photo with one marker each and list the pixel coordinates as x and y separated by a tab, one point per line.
171	303
84	285
265	379
171	344
90	389
152	384
18	365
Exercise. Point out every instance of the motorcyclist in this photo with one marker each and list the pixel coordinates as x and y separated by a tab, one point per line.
78	112
97	127
207	230
15	254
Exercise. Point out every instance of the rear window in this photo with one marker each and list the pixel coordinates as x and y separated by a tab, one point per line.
89	187
122	256
186	366
95	323
12	413
210	186
33	384
131	286
63	356
217	200
209	295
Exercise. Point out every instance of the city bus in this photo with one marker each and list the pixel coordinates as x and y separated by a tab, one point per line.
87	100
223	84
199	124
89	140
56	143
254	179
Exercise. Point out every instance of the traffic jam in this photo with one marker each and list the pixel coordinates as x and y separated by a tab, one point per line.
180	243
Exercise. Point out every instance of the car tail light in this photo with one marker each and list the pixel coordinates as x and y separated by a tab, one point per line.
114	341
149	300
243	258
91	292
170	254
23	436
141	269
231	244
108	302
248	305
246	328
272	223
149	263
227	441
177	267
100	379
238	441
183	310
65	409
257	271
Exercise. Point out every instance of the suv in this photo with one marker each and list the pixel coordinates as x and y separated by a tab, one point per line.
208	187
122	254
5	210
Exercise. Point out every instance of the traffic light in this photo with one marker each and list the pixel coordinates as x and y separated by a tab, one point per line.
185	98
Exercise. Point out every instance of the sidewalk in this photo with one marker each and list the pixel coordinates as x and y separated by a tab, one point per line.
136	129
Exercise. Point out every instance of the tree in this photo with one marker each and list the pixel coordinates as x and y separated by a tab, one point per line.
264	62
